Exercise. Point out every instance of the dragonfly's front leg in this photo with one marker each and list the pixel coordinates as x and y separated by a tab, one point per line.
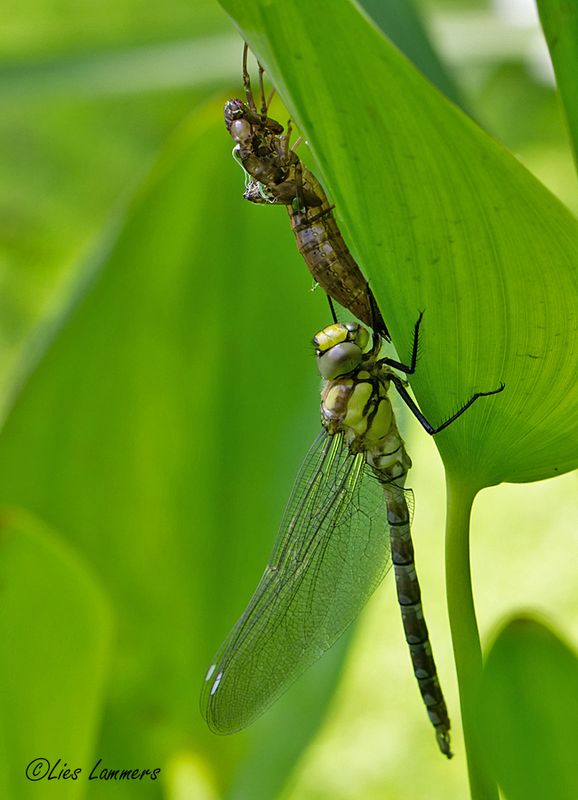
410	403
408	369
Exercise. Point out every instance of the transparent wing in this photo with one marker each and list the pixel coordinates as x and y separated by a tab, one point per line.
331	553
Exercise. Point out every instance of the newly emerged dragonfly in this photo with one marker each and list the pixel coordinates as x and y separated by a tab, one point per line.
278	177
346	522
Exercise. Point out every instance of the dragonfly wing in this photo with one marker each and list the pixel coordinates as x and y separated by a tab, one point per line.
331	553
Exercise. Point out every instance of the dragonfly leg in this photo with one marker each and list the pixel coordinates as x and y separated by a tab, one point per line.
299	199
411	404
318	216
270	99
286	138
247	80
408	369
331	308
297	142
264	105
376	320
371	355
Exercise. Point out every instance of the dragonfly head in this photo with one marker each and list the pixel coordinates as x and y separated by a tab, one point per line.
339	348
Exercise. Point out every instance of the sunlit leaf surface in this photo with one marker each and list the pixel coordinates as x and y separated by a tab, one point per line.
401	22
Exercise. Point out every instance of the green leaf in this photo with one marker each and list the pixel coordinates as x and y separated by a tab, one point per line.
442	218
36	30
167	66
161	432
560	23
55	630
401	22
90	105
528	713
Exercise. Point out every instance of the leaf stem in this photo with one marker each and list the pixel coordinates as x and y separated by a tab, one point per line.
464	627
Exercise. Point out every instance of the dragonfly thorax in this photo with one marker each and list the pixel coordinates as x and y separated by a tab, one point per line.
358	406
354	399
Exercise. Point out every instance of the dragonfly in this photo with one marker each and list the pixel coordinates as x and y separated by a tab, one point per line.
278	177
347	521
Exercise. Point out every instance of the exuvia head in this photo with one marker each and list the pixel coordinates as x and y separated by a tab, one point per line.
234	109
339	348
237	111
236	123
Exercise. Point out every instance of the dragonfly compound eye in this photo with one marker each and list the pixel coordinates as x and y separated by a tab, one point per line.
339	360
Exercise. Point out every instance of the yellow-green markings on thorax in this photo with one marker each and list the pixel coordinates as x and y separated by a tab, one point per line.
354	399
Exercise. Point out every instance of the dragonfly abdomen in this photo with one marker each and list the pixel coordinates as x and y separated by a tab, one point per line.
414	625
390	461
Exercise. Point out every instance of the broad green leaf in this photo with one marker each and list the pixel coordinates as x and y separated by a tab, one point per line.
528	713
40	29
444	219
55	635
167	66
560	23
88	95
400	21
161	432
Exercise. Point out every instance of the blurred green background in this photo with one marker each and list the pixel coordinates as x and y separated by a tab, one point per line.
159	393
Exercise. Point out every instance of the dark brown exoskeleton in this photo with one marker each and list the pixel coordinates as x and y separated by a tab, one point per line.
278	177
